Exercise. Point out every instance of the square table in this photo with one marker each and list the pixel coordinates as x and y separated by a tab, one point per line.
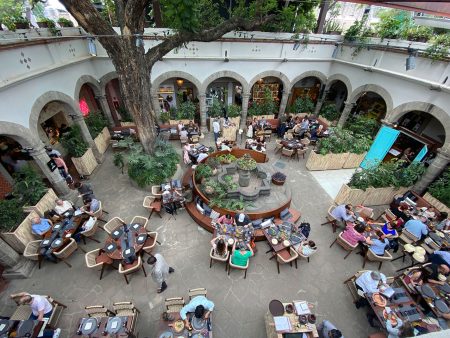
126	331
165	326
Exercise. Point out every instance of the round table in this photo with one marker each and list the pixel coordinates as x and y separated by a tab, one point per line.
117	254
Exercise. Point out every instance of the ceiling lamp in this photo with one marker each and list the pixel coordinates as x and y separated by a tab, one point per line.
261	81
180	82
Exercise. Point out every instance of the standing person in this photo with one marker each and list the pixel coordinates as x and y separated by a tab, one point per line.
84	190
328	330
51	151
62	167
160	271
216	129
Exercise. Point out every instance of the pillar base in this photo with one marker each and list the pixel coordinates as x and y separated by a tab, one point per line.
24	269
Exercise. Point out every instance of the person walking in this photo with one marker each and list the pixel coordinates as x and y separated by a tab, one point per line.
160	271
216	129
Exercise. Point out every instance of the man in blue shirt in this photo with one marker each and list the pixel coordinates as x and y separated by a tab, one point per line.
198	305
91	206
417	227
40	226
343	213
379	244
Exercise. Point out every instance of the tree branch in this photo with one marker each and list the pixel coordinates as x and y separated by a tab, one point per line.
176	40
133	14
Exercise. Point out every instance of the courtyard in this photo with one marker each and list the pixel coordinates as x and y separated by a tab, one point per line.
240	304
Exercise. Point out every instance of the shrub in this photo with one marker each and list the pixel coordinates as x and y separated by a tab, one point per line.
95	123
246	162
440	188
164	117
330	112
439	48
216	110
186	111
233	110
73	142
343	141
302	105
65	23
203	171
28	186
11	214
361	125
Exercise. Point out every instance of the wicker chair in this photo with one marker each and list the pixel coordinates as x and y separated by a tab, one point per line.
31	251
301	152
130	268
99	213
300	254
350	282
195	139
98	311
174	304
151	242
218	259
156	190
408	238
371	256
91	262
197	292
287	152
305	141
68	250
267	135
331	219
125	309
113	224
89	234
281	260
278	146
140	220
153	204
184	140
344	244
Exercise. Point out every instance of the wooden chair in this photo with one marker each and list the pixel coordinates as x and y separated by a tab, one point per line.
153	205
150	243
267	135
126	269
284	260
371	256
113	224
156	191
287	152
89	234
344	244
331	219
184	140
32	250
98	311
278	146
197	292
91	261
174	304
218	259
305	141
125	309
301	152
195	139
65	252
142	221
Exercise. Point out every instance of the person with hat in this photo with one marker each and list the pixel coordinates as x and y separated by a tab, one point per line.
328	330
241	219
418	227
200	306
369	282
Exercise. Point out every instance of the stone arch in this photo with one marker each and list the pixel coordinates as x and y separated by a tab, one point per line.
45	98
440	114
354	96
19	133
89	80
284	79
225	73
174	74
340	77
311	73
105	79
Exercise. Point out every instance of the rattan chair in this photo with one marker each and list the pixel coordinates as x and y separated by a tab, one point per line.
98	311
153	204
371	256
140	220
278	146
174	304
156	191
125	309
344	244
184	140
91	262
31	251
195	139
113	224
65	252
89	234
197	292
301	152
407	237
130	268
305	141
287	152
218	258
300	254
280	260
150	243
99	213
331	219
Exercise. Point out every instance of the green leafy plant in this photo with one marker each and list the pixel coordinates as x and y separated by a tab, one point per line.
226	158
358	34
119	161
362	125
255	110
96	122
164	117
302	105
233	110
439	48
330	112
216	109
73	142
333	26
28	186
418	33
393	23
246	162
440	188
344	141
126	116
65	23
203	171
10	11
213	162
11	214
394	173
126	142
186	111
230	203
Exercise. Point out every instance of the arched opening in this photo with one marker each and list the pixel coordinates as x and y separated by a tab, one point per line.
115	102
226	90
175	91
269	87
370	105
336	94
87	100
308	87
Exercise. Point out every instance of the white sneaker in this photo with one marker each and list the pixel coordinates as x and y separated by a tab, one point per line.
56	333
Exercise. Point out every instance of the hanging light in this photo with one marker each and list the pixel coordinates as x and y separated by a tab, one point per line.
139	41
261	81
180	82
92	47
411	59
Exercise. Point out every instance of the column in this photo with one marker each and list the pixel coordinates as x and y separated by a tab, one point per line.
203	110
155	104
56	180
283	103
320	102
230	97
16	267
105	109
345	113
245	98
436	167
87	137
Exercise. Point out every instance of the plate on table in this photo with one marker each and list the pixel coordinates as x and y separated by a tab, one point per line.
276	308
427	291
111	247
199	335
441	306
114	324
286	243
129	252
230	241
274	241
445	288
45	242
178	326
5	325
141	239
117	233
57	243
379	300
441	277
440	234
89	326
57	226
394	320
136	226
25	328
198	323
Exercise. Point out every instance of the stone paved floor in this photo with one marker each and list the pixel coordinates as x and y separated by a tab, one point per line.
240	304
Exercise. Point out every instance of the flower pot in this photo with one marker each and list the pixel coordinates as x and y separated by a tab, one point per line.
85	164
22	25
63	24
47	202
278	182
43	24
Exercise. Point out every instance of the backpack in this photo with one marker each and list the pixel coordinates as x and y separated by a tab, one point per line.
305	229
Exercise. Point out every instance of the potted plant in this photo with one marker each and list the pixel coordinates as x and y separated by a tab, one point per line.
439	48
65	23
245	164
438	193
186	111
329	112
202	171
97	125
164	117
278	178
20	22
302	105
234	114
226	158
333	28
418	33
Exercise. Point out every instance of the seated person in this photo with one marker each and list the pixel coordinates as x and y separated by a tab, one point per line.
379	244
306	248
432	272
417	227
441	257
259	148
183	133
40	226
220	248
429	213
241	219
241	253
62	206
354	234
401	211
91	206
192	126
343	213
225	146
180	126
402	329
369	282
197	305
202	156
225	219
444	222
328	330
413	279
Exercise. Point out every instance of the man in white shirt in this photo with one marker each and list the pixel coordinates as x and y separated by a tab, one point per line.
62	206
369	282
216	129
160	271
202	156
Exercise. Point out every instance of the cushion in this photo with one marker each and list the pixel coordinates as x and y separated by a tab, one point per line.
207	209
284	213
214	214
257	223
266	223
200	209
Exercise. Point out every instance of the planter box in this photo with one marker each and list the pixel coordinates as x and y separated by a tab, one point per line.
267	117
85	164
333	161
436	203
235	120
175	122
369	197
354	160
21	236
102	140
127	124
47	202
229	133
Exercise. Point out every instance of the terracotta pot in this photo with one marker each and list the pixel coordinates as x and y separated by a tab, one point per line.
42	24
277	182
